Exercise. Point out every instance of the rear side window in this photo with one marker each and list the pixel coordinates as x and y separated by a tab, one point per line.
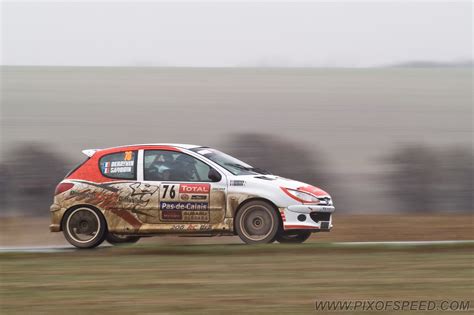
76	168
121	165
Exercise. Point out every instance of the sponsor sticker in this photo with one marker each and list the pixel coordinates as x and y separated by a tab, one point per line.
195	188
196	216
184	205
186	216
237	183
191	227
198	197
178	227
172	215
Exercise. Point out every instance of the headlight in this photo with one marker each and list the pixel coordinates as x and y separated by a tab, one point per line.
301	196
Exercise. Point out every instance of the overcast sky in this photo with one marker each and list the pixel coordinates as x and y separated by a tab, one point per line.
347	34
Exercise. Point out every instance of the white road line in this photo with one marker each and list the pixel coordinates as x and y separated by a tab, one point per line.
407	242
55	249
39	249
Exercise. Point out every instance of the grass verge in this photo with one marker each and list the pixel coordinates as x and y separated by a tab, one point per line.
218	279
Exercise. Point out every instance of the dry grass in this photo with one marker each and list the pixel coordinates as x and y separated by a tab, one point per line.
401	227
216	279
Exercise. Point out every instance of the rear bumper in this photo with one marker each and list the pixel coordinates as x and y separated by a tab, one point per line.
54	228
307	217
56	216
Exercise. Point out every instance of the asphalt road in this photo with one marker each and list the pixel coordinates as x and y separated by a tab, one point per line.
56	249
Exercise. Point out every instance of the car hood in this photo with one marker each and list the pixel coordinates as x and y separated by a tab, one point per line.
277	181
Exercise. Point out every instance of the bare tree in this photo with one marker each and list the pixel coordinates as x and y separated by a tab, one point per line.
34	170
426	180
457	184
4	188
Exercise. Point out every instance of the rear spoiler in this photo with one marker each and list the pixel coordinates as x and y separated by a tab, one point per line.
90	152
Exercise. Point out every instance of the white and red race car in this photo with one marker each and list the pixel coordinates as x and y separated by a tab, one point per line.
121	194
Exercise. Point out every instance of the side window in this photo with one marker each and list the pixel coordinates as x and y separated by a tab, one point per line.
161	165
121	165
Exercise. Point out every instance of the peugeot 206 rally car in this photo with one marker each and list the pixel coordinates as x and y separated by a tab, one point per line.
121	194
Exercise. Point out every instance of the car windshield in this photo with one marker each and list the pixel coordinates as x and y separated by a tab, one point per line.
228	162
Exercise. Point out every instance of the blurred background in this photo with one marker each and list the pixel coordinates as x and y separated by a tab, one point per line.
370	101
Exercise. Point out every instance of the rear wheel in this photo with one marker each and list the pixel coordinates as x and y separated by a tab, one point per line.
117	239
292	236
84	227
257	222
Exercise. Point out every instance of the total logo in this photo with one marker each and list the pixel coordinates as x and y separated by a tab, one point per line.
195	188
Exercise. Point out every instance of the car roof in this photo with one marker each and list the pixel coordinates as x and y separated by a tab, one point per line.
90	152
177	145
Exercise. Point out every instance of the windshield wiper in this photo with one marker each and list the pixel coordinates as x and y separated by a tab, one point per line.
261	171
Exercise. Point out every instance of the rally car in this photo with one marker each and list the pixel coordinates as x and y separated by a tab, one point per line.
123	193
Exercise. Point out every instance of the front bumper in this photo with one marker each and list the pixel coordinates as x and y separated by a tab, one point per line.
307	217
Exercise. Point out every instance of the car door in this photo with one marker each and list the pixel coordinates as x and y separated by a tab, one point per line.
124	197
186	193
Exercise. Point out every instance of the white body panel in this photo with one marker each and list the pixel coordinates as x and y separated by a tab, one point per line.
269	187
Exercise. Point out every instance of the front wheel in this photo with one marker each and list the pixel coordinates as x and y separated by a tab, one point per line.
292	236
117	239
257	223
84	227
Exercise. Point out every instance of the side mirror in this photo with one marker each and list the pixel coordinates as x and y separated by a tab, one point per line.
214	175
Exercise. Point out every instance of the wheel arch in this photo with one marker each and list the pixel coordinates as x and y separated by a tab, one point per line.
246	201
85	205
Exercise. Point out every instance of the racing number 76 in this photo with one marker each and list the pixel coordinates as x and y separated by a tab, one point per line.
172	192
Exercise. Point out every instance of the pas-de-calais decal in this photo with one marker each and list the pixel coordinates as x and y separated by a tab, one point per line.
184	202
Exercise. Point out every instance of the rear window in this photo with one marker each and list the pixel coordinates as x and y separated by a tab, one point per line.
121	165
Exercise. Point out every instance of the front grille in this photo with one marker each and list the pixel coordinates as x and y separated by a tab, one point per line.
320	216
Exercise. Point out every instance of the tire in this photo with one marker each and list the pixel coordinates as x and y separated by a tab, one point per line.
84	227
257	222
117	239
292	237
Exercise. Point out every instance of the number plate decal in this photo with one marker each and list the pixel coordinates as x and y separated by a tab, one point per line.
184	202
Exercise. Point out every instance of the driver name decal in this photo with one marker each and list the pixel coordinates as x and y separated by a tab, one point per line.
117	167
